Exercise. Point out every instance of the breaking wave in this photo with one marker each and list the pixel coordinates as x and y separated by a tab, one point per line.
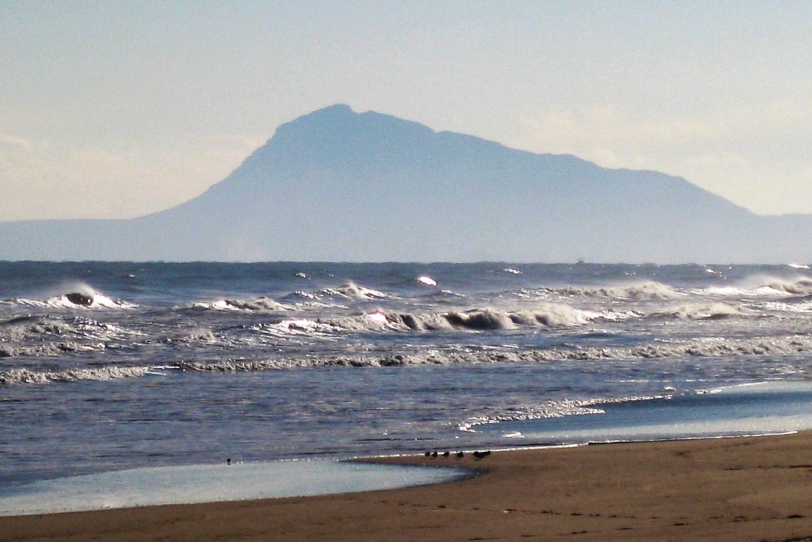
637	292
549	409
25	376
350	290
699	348
259	304
46	336
765	286
799	287
77	296
552	315
713	311
47	349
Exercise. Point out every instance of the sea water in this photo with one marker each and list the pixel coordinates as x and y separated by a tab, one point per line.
108	367
212	483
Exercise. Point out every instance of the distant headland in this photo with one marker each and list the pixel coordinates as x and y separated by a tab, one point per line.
336	185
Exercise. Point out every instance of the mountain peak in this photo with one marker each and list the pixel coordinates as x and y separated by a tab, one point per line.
337	130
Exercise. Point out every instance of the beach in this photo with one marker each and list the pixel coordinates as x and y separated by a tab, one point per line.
752	488
183	382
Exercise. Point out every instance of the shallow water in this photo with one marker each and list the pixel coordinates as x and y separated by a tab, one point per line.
751	409
213	483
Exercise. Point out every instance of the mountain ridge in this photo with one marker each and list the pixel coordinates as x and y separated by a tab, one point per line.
336	185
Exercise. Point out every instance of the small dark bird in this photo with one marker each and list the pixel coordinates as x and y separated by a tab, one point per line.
478	454
486	454
228	461
434	454
427	454
460	454
446	454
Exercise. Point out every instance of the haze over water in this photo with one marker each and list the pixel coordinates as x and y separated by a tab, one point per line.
180	364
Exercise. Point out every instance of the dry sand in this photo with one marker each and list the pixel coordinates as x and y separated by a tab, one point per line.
757	489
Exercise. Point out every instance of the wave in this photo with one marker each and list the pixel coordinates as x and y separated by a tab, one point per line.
549	409
550	315
37	336
801	305
442	297
637	292
260	304
713	311
25	376
347	291
285	328
191	336
47	349
19	328
767	286
82	297
698	348
426	280
480	319
554	315
798	287
350	290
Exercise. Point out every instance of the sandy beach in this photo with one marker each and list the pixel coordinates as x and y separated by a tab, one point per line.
757	489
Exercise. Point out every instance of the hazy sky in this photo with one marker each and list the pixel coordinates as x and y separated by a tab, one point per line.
119	108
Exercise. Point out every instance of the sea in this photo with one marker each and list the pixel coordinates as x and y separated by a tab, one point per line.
108	367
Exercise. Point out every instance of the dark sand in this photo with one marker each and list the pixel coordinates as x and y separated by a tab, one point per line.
757	489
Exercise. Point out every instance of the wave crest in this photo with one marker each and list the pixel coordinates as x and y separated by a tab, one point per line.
260	304
638	292
25	376
799	287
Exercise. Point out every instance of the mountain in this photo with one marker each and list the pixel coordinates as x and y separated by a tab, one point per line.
335	185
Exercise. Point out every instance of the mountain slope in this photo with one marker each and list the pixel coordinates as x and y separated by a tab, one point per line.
337	185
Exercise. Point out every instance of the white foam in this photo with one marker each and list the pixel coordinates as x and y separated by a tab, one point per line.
766	425
639	292
351	290
25	376
735	417
259	304
428	281
213	483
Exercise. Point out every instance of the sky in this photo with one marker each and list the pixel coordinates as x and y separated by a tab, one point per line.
116	109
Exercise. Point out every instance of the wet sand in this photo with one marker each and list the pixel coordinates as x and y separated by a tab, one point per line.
745	489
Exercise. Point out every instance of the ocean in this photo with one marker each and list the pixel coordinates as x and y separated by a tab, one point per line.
114	366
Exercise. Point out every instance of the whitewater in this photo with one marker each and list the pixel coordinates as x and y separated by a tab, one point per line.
113	366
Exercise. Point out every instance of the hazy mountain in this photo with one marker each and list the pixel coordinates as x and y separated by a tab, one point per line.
335	185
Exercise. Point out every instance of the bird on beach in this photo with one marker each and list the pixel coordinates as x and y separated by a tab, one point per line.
460	454
434	454
446	454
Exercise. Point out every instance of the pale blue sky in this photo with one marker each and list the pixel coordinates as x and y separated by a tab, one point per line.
119	108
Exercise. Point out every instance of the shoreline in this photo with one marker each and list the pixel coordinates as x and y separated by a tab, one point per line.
743	488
